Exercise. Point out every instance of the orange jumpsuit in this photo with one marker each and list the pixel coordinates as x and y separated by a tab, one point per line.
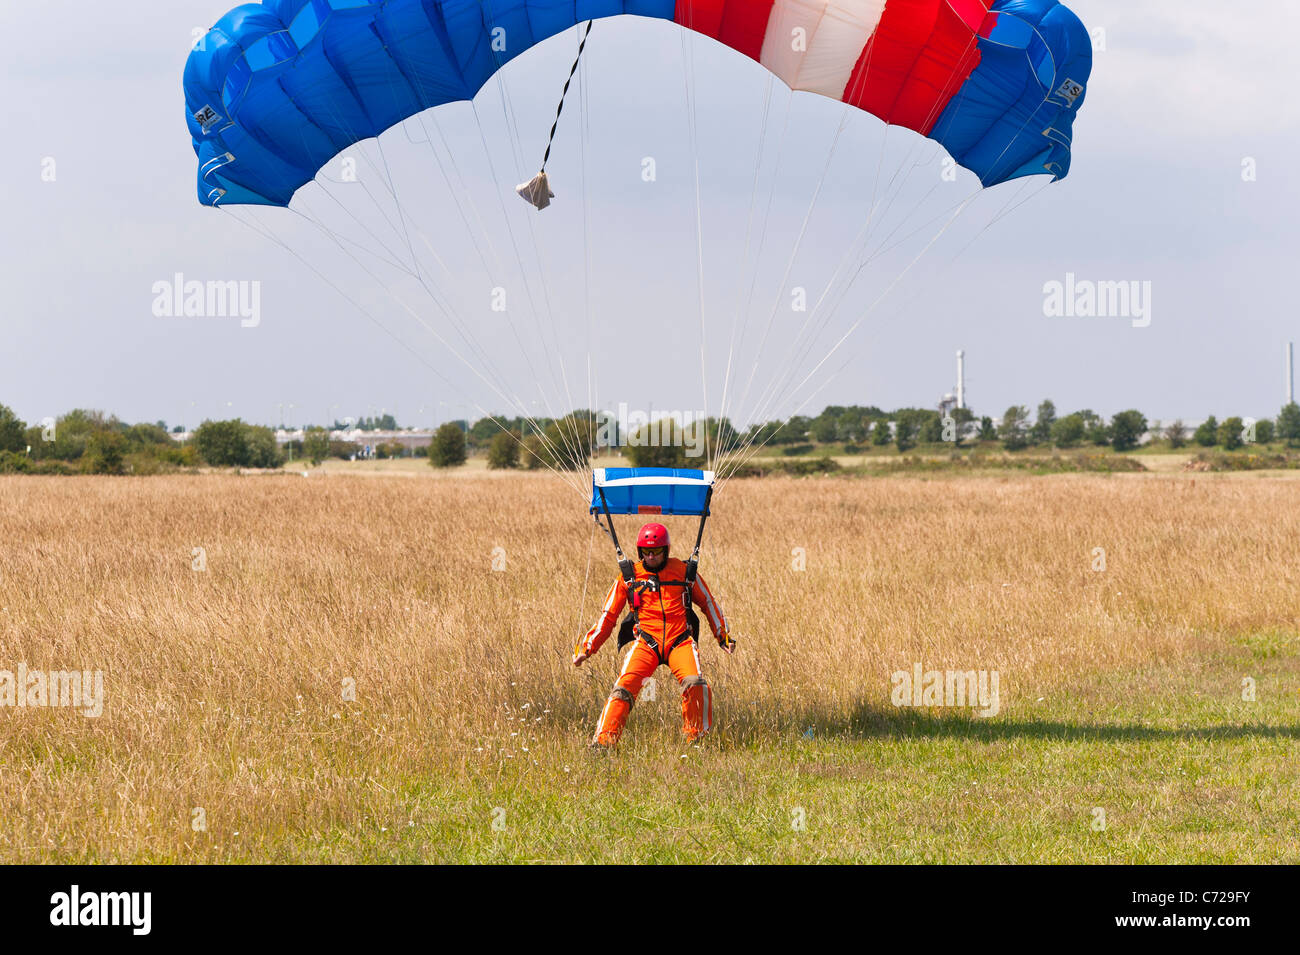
663	637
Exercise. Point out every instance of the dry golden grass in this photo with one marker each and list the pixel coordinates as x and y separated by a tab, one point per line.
224	686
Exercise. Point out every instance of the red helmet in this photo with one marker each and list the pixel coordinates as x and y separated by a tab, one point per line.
652	535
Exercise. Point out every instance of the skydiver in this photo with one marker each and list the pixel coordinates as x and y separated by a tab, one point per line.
663	630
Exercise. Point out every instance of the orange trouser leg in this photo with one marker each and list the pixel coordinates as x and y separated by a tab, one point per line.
639	663
697	700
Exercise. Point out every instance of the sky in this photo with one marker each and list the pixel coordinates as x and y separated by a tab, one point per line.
674	294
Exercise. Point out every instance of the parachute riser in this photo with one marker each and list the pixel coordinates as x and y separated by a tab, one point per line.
625	566
693	564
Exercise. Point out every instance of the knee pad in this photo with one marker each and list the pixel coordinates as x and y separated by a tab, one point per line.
622	694
696	680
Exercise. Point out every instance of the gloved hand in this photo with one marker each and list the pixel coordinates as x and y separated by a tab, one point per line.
580	655
727	642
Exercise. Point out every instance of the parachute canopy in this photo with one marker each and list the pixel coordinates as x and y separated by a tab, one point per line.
276	89
651	491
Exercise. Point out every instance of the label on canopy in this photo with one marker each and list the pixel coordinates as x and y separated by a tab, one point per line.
207	117
1070	91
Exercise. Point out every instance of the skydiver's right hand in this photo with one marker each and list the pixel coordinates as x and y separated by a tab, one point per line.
580	657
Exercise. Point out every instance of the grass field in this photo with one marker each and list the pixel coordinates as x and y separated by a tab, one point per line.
231	614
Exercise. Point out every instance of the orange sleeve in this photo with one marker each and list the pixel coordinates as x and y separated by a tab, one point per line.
600	631
703	598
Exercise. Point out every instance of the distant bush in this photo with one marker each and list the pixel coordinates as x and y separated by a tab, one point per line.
316	445
12	431
1207	435
448	448
105	453
13	462
1055	464
234	444
1126	430
809	466
1242	461
140	464
1288	424
1229	434
1014	430
800	468
795	450
1069	431
503	452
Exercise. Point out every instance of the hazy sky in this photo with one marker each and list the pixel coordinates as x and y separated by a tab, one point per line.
1185	96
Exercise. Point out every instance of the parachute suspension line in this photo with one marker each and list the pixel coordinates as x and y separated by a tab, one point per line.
323	182
391	259
789	365
755	439
1002	214
523	273
419	274
688	74
266	233
582	606
744	258
500	391
471	343
572	441
803	341
401	214
850	253
584	117
737	441
861	318
519	262
1007	209
794	253
893	190
380	177
744	310
753	444
458	190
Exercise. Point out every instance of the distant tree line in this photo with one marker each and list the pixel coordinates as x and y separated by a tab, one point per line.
855	429
91	442
88	442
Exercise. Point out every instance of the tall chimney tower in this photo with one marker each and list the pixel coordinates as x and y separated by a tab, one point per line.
1290	372
961	379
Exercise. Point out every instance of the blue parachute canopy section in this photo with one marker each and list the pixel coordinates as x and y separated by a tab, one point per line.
651	491
276	89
